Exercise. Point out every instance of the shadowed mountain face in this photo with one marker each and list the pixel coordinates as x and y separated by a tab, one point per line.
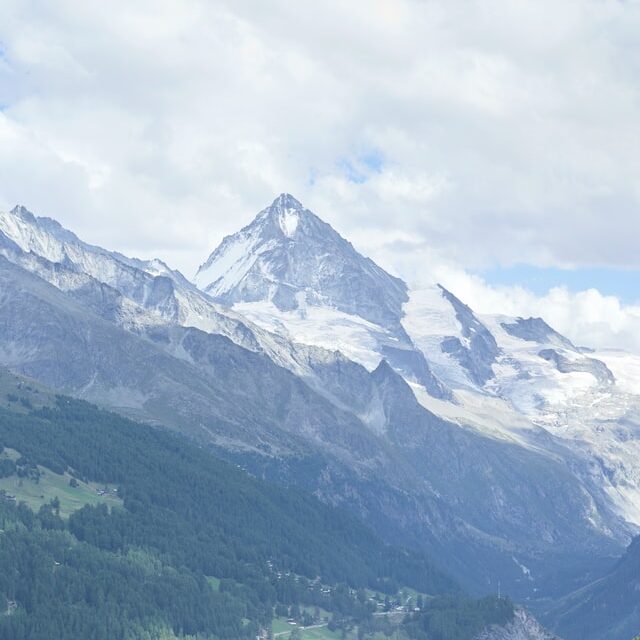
137	337
607	608
195	381
479	351
536	330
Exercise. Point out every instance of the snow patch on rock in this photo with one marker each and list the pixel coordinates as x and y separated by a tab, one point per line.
288	222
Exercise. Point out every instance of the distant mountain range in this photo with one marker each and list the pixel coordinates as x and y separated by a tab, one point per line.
493	443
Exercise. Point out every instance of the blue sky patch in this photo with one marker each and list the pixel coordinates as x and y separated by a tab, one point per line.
360	166
351	172
372	160
623	283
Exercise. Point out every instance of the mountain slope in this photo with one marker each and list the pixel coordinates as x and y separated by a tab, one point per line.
242	402
144	569
201	383
279	258
608	609
288	270
141	569
492	505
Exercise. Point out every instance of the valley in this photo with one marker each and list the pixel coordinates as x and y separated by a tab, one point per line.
491	444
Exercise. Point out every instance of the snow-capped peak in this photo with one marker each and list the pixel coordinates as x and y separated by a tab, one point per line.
283	202
286	210
21	211
145	282
290	257
42	236
291	272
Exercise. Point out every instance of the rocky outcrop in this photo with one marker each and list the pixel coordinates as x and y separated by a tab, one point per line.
523	627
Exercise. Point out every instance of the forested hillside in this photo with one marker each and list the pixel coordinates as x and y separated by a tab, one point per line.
196	547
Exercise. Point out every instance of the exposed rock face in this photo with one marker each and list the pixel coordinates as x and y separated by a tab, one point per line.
536	330
290	257
523	627
476	350
565	364
44	241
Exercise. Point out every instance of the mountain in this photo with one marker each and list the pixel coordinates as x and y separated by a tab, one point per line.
290	270
240	401
440	427
281	258
519	378
607	608
510	378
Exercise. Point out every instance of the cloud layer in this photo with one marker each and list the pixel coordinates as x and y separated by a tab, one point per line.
468	134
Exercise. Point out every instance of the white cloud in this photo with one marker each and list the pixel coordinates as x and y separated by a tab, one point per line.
503	132
588	317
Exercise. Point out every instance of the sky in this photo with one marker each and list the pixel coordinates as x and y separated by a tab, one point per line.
494	146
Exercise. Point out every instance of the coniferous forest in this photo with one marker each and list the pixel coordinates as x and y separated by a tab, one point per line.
197	547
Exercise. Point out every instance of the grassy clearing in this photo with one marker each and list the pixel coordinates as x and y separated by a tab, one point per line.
281	629
51	485
280	625
320	633
22	395
214	582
